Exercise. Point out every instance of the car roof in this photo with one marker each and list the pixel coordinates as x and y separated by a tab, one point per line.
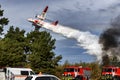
42	75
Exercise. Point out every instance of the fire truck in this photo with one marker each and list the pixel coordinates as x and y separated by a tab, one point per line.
76	72
110	73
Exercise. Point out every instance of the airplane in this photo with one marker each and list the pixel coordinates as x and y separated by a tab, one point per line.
38	23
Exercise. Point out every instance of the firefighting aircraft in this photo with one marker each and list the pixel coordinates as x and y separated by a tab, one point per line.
39	21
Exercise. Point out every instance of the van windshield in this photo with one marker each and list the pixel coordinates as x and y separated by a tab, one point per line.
32	73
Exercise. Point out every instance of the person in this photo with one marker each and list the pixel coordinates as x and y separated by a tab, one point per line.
40	73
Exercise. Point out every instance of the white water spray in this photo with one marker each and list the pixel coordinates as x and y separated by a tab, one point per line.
86	40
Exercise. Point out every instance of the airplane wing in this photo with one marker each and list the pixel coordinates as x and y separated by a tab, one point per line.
43	14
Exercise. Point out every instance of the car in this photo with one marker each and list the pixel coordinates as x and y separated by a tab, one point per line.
42	77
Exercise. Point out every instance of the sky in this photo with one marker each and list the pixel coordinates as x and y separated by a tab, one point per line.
93	16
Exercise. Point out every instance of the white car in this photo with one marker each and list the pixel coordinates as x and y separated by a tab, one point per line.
42	77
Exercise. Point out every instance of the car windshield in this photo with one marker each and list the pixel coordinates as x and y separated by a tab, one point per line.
29	78
46	78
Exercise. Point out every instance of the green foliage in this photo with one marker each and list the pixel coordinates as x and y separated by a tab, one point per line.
3	20
12	52
42	58
35	50
59	71
66	63
96	71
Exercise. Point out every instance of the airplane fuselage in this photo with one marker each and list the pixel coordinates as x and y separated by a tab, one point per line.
36	22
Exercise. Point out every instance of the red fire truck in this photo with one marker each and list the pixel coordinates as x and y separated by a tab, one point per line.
76	72
110	73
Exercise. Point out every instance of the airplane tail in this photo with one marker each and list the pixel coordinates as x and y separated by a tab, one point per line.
55	23
43	14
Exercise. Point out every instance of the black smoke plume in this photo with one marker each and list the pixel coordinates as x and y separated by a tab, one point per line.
110	39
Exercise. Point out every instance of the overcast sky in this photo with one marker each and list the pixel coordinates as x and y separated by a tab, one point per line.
85	15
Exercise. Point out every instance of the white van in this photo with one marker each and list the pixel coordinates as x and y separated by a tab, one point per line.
17	73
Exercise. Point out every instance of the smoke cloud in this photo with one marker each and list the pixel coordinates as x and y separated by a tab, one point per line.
110	39
86	40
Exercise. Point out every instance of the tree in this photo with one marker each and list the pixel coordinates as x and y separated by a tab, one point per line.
12	48
95	71
66	63
41	46
3	21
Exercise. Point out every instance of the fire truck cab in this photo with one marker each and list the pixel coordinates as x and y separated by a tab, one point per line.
75	72
111	73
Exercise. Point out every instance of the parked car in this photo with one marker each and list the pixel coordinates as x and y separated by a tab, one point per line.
42	77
